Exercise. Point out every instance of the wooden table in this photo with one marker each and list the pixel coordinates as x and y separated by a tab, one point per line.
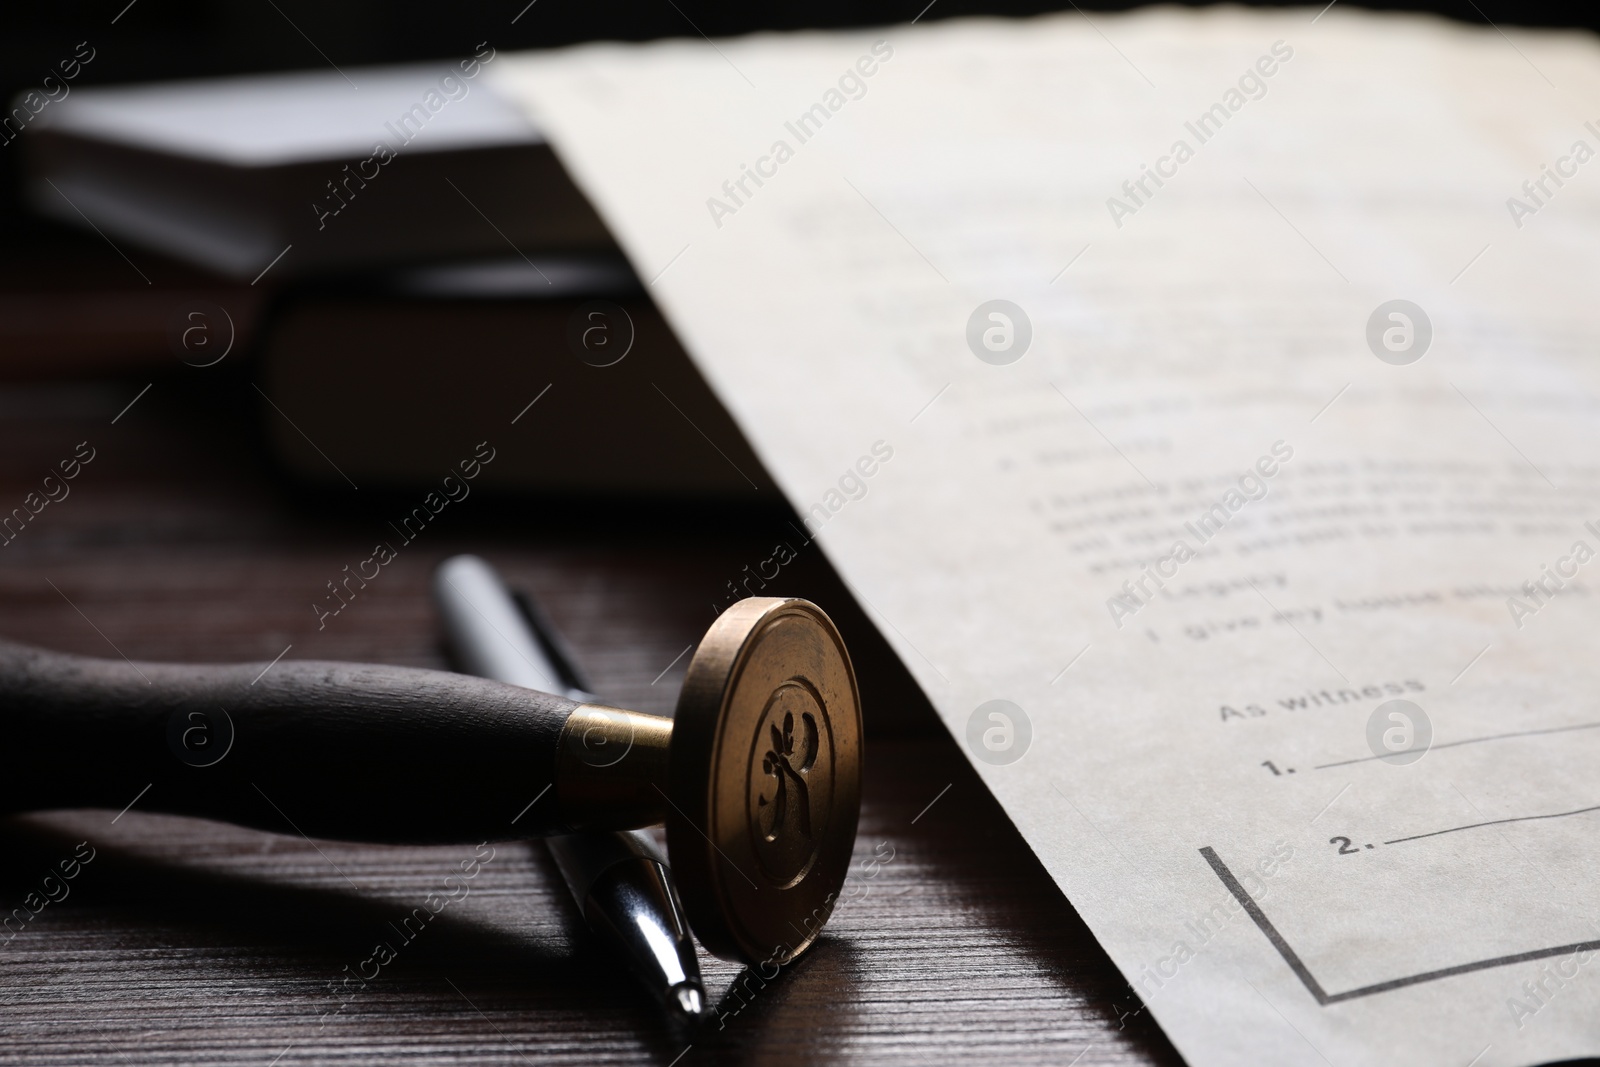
183	941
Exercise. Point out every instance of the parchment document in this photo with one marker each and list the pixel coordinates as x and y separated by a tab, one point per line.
1204	406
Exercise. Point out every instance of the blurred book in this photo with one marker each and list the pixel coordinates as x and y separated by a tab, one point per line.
308	172
71	306
561	364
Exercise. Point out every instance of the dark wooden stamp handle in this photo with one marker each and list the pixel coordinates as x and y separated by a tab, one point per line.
332	750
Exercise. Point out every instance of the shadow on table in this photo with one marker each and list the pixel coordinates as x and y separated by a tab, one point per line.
306	944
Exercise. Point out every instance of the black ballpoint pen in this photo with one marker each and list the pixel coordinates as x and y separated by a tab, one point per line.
619	879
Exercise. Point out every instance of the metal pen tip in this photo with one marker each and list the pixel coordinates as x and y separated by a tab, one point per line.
689	1000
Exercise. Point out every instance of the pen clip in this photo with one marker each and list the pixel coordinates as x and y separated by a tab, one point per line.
551	642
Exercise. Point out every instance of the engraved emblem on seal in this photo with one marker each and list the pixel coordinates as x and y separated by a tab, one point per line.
791	787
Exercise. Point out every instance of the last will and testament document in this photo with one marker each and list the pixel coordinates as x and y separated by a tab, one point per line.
1205	407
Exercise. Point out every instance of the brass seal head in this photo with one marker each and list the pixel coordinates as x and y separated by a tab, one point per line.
764	778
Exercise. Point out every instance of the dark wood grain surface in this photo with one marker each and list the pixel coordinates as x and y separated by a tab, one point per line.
187	941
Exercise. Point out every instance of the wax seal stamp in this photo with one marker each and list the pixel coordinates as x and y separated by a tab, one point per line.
758	777
768	789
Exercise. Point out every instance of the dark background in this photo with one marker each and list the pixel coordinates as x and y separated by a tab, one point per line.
166	39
